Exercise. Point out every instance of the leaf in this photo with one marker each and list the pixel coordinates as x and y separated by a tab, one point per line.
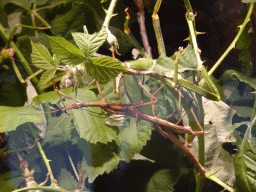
66	52
163	181
133	138
66	180
93	128
41	57
90	43
249	1
89	122
217	120
239	76
243	43
98	158
245	162
10	117
103	68
187	59
63	133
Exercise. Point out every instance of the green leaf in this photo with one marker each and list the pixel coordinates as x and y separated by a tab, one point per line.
66	52
187	59
249	1
41	57
10	117
90	123
90	43
235	75
133	138
98	158
66	180
243	43
163	181
103	68
63	133
245	162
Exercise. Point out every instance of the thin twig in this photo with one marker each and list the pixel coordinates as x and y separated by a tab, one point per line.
143	31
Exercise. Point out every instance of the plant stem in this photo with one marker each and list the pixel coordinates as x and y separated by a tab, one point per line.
201	149
46	161
188	6
20	57
232	45
109	13
216	180
157	29
46	188
143	31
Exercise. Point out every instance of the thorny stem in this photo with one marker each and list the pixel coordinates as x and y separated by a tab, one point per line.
190	17
109	13
232	45
20	57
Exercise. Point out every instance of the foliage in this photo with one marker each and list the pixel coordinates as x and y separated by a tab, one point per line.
83	139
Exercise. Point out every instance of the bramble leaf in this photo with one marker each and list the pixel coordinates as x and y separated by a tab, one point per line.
98	158
103	68
66	52
90	123
90	43
66	180
245	162
41	57
10	117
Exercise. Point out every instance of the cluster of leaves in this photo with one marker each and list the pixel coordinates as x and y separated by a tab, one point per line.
99	146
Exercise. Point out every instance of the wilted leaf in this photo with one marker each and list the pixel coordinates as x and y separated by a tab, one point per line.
217	120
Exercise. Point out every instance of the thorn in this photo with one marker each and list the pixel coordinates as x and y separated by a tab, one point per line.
187	39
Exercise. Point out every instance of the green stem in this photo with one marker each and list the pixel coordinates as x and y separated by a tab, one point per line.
157	29
188	6
216	180
201	149
190	19
20	57
109	13
254	107
73	166
232	45
46	161
45	188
